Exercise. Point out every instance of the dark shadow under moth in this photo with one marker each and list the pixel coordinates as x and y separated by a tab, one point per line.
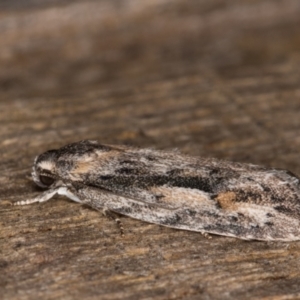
170	189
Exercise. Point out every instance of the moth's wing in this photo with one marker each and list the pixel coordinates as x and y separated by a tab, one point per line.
222	214
220	197
169	179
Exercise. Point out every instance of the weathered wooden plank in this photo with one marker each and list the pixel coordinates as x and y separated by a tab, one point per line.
216	78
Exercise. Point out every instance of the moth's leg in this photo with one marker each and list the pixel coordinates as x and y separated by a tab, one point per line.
64	191
40	198
206	235
49	194
110	214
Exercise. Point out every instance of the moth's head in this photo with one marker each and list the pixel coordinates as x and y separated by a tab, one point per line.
57	166
43	170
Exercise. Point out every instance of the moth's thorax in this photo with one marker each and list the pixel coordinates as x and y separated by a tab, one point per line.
69	163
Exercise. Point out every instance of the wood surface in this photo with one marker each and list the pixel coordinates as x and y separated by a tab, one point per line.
210	78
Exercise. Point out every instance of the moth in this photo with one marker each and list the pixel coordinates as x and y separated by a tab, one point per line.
171	189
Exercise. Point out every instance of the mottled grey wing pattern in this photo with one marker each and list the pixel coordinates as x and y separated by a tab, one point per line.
199	194
170	189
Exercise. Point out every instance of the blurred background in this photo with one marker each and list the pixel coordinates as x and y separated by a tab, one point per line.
205	76
62	47
212	78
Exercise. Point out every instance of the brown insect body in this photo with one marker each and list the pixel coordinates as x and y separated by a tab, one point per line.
167	188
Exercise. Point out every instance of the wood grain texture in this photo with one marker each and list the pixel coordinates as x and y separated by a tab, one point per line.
211	78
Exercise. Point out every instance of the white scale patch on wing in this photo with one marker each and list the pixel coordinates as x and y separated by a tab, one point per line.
257	213
183	197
